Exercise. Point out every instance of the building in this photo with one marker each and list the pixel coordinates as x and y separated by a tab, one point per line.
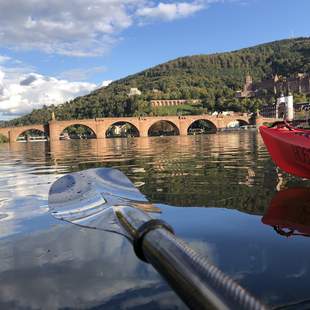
168	103
284	107
300	83
248	89
134	92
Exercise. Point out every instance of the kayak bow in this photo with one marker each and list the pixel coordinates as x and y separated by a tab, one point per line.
289	148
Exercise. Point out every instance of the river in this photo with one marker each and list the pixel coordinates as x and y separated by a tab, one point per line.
213	189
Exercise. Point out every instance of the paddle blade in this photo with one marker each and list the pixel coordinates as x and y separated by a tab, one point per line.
87	198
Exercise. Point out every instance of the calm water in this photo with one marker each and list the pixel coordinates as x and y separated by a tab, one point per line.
212	189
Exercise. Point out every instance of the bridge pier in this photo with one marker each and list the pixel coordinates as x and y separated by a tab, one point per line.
54	130
101	129
183	126
12	136
143	127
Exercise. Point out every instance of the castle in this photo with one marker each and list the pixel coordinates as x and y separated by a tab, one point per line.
300	83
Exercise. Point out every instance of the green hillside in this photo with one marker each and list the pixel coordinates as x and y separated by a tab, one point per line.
211	78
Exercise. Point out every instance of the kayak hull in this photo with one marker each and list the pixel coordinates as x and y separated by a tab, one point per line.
289	149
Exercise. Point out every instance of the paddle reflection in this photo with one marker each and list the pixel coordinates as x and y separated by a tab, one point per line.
289	212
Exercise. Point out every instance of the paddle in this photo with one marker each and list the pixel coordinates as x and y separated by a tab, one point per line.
106	199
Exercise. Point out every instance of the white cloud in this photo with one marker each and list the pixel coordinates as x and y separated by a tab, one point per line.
105	83
20	93
71	27
79	27
171	11
4	59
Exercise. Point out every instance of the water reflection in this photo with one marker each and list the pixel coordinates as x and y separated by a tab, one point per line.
204	165
65	267
220	186
289	212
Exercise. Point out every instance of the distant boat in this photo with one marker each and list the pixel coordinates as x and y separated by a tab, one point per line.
196	131
289	148
32	139
64	136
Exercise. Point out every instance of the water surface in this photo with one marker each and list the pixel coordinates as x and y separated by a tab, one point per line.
212	189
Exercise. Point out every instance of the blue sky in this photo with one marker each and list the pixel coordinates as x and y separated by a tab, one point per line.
52	51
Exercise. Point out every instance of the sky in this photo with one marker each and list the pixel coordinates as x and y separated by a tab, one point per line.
52	51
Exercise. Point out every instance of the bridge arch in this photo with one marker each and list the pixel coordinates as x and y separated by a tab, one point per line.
163	128
122	129
31	134
77	131
237	123
201	126
242	122
15	132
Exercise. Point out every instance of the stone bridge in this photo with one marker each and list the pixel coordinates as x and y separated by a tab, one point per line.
12	133
143	124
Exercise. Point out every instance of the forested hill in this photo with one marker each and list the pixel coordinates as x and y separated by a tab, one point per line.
211	78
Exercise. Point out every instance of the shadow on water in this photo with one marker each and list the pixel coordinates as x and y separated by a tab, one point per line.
220	186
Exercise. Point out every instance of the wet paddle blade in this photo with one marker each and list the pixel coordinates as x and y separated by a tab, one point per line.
87	198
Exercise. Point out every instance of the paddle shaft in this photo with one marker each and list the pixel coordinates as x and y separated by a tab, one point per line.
198	283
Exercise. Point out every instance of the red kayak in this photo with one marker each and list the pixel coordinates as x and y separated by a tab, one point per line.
289	212
289	148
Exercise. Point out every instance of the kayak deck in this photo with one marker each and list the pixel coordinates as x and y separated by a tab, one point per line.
289	149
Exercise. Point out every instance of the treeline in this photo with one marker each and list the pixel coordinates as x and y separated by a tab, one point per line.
213	79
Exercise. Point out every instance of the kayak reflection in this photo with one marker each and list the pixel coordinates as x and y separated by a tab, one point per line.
289	212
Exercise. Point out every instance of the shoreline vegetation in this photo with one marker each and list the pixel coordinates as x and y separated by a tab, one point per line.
213	80
3	139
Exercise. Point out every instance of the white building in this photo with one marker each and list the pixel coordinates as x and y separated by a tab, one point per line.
134	92
288	103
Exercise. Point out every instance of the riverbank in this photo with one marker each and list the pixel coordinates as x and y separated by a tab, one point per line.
3	139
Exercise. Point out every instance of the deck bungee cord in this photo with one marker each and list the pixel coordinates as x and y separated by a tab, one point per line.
105	199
